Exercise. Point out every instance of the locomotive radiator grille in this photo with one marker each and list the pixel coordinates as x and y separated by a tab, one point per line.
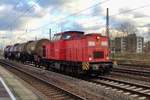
98	54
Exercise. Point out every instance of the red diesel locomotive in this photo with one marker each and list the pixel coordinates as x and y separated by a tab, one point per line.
75	52
70	51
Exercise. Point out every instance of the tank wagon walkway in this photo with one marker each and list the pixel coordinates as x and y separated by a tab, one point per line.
11	87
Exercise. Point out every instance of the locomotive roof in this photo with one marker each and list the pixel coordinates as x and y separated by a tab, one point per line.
79	32
95	34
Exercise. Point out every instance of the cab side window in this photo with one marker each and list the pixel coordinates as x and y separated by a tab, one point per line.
66	36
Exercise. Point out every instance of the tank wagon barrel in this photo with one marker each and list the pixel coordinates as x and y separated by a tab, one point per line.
35	47
19	47
15	47
6	51
12	51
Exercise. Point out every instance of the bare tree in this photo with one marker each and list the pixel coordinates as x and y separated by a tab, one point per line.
127	27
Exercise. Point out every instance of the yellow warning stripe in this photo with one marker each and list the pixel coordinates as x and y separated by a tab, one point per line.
85	66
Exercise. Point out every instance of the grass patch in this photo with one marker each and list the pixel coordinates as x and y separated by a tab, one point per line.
132	58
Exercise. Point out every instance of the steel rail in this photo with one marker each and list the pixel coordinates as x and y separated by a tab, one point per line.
73	95
123	85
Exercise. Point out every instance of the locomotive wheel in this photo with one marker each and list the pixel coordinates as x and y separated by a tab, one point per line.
43	67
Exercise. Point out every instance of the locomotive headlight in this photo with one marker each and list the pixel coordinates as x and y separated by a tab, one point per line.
97	37
107	58
90	58
104	43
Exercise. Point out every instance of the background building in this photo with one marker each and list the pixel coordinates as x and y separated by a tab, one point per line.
147	47
135	43
130	43
120	44
112	46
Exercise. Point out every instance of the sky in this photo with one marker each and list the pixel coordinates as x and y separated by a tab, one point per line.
23	20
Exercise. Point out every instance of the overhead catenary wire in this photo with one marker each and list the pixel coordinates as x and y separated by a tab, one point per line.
127	11
76	13
15	5
60	20
130	10
26	11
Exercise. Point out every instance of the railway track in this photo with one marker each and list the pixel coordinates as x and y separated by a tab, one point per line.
144	73
136	90
140	68
135	66
51	91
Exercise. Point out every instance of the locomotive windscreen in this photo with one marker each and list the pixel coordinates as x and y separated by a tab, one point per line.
98	54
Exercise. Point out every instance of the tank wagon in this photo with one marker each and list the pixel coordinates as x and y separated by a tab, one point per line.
34	49
70	51
10	52
6	52
20	55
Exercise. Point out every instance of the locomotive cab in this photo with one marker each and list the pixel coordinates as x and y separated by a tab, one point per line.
67	35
